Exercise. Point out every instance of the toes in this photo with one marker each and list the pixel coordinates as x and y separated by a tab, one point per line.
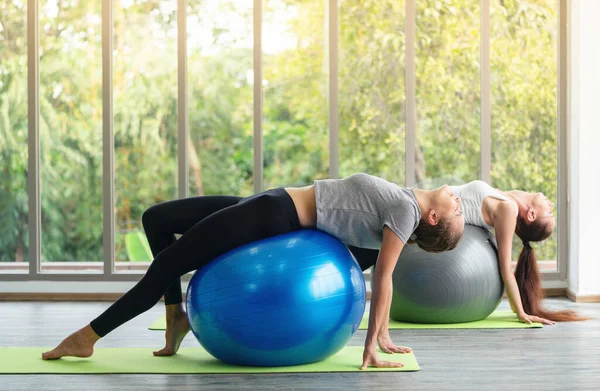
51	355
164	352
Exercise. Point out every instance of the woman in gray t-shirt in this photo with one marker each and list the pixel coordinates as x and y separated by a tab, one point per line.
360	210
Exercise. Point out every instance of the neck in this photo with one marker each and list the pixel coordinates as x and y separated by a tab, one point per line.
424	199
518	196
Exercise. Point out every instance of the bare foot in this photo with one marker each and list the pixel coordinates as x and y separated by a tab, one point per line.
79	344
177	328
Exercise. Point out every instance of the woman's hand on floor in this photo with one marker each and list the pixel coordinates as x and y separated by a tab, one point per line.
370	359
525	318
387	346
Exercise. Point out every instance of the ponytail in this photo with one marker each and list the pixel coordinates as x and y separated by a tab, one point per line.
530	288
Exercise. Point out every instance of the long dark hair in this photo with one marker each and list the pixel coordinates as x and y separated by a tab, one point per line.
528	276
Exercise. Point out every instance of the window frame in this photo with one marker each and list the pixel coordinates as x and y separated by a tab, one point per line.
109	274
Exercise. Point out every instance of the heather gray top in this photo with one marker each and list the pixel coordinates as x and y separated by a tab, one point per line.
355	209
472	196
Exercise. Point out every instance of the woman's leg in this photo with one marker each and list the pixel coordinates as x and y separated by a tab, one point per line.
162	221
254	218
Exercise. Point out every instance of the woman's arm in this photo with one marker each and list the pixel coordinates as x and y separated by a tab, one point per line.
383	338
391	248
504	225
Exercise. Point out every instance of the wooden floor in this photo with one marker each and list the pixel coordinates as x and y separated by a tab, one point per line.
560	357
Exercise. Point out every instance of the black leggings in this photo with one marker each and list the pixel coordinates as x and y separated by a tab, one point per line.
212	229
162	221
242	220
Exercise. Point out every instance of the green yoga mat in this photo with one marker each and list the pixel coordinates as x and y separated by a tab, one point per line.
187	360
497	320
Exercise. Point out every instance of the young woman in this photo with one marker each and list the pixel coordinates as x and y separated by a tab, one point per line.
530	217
360	210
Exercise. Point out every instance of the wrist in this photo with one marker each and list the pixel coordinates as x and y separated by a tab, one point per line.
371	349
383	334
370	344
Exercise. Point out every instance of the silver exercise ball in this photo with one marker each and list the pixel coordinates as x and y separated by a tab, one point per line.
462	285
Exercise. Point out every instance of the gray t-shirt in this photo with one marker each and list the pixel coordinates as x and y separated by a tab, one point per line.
355	209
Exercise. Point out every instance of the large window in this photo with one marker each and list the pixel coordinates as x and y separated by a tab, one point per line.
524	70
14	245
295	92
219	44
371	88
70	134
145	117
447	92
433	79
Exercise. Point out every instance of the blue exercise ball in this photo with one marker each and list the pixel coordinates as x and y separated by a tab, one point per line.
291	299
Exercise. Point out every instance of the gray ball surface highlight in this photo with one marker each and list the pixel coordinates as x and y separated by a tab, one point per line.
462	285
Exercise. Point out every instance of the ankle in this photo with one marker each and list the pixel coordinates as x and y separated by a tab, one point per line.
174	309
88	335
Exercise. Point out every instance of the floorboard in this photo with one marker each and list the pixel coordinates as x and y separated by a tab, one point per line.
564	356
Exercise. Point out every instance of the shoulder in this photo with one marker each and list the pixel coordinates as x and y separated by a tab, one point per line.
402	213
504	214
401	219
506	207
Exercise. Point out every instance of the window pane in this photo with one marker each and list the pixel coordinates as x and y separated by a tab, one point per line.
220	79
14	236
447	91
524	103
296	146
145	119
371	97
71	134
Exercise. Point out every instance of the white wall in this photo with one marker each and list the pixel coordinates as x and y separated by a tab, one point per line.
584	148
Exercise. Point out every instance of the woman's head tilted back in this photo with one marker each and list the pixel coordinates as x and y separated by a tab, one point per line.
537	222
442	225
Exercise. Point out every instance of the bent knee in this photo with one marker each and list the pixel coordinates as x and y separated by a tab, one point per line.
151	216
